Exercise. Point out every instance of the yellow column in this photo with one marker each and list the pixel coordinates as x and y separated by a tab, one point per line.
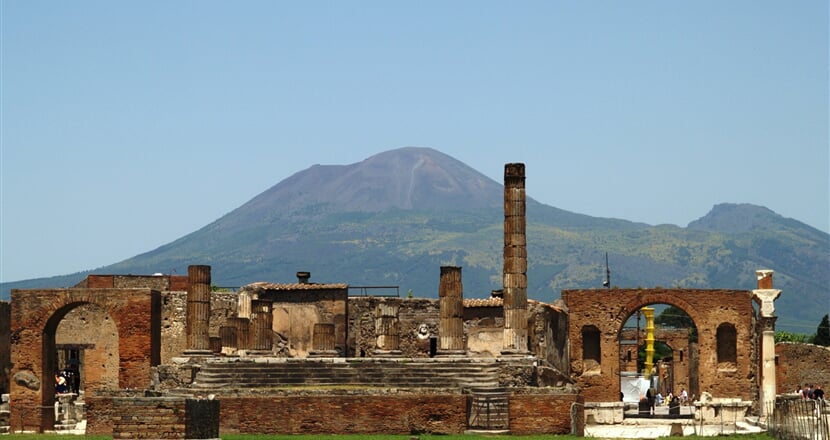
649	314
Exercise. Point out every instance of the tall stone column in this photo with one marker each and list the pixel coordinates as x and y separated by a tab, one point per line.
451	309
387	328
515	261
198	310
766	296
261	333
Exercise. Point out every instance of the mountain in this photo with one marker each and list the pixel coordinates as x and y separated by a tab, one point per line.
396	217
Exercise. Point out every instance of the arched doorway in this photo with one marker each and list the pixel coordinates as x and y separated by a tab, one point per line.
35	318
673	359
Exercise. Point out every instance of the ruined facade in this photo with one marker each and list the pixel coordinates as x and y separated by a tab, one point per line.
364	364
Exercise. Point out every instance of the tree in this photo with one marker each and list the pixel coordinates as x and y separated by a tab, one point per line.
675	317
823	332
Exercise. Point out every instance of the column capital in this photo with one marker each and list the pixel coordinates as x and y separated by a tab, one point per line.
766	297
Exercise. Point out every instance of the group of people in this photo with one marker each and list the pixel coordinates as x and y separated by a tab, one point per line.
655	398
66	381
811	392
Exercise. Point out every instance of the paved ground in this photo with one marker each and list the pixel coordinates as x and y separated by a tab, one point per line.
650	428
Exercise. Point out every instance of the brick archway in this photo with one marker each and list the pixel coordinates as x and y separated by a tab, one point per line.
607	309
35	315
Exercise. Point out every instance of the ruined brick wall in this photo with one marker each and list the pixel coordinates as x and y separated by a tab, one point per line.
5	346
412	314
607	309
149	417
798	364
547	414
548	332
356	414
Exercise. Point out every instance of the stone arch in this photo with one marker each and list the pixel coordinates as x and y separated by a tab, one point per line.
34	320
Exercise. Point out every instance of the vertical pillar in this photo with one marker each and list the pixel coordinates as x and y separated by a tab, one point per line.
242	326
243	304
262	320
766	295
198	310
322	340
387	328
515	261
451	309
228	335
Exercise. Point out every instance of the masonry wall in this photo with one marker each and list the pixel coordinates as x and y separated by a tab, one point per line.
547	414
174	319
413	314
5	345
296	311
798	364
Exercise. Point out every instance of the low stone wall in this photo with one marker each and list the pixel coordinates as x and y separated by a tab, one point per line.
336	412
165	417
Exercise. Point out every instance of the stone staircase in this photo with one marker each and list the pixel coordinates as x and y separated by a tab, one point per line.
334	372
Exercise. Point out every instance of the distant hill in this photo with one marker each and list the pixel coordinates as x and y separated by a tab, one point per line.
396	217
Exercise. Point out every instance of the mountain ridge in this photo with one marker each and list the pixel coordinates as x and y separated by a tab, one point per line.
397	216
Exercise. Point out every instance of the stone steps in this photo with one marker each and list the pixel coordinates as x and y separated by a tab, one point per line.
364	374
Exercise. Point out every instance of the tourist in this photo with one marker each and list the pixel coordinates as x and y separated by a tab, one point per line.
818	393
684	397
60	384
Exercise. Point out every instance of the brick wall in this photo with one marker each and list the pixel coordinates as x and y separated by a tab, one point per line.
369	414
546	414
798	364
5	346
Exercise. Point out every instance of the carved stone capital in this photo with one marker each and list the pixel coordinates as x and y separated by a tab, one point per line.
767	298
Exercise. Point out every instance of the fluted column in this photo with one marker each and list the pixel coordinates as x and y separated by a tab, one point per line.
515	261
387	328
261	333
243	304
228	335
322	340
198	310
451	305
242	326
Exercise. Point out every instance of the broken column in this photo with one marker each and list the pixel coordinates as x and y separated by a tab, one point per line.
515	261
242	326
387	328
766	296
198	310
228	335
451	309
322	340
261	338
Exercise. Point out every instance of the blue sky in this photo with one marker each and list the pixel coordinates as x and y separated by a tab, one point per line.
126	125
